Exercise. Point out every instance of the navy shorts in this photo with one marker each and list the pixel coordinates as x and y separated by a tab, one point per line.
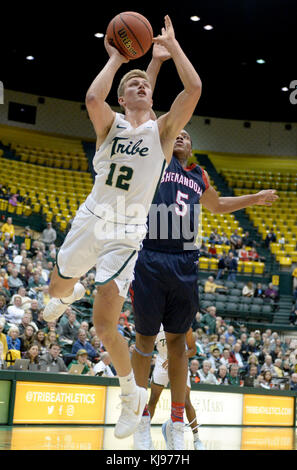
165	290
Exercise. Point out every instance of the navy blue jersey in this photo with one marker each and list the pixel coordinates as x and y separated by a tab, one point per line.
173	219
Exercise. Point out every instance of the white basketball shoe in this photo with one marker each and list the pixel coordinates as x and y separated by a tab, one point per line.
132	409
142	437
55	308
174	435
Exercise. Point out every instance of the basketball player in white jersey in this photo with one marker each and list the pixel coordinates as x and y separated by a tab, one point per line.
159	381
107	231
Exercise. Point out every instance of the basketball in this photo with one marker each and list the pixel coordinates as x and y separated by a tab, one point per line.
131	33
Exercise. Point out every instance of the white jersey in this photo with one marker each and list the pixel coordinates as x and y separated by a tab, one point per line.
129	165
161	344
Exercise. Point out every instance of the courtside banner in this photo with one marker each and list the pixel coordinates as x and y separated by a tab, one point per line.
255	438
5	387
211	407
48	438
38	402
268	410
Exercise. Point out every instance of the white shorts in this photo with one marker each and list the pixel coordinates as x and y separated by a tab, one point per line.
160	375
112	248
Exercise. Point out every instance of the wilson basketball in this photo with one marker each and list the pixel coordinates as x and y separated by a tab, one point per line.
131	33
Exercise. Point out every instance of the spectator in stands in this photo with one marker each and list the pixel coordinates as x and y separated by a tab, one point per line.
282	240
51	337
268	365
225	239
196	322
13	341
27	338
237	355
248	290
271	294
230	333
8	229
97	345
212	250
51	358
287	367
82	358
231	263
194	366
103	367
36	283
14	281
49	235
244	345
3	307
233	375
40	340
247	240
215	237
82	343
278	367
203	250
70	329
206	375
32	354
26	301
222	343
15	312
209	320
270	238
243	254
265	380
43	296
214	358
211	287
225	357
236	240
250	376
40	322
221	266
293	382
13	200
3	341
25	321
253	255
252	348
259	291
222	375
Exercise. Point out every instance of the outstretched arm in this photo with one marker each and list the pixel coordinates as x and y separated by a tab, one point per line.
160	55
171	123
99	111
222	205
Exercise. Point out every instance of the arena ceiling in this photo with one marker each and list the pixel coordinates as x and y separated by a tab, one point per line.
67	55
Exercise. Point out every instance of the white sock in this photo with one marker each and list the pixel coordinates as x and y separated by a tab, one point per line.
128	384
71	298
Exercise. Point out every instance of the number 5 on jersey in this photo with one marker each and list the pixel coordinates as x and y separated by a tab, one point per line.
179	200
121	181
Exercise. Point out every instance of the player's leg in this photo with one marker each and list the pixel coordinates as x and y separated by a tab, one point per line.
106	312
177	372
141	358
155	394
192	418
74	259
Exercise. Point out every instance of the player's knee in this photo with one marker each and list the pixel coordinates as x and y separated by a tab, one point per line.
176	344
144	344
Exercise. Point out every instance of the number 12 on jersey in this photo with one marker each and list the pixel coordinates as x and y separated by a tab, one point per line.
121	181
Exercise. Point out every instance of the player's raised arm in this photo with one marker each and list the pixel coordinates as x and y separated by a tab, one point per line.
184	105
99	111
160	55
222	205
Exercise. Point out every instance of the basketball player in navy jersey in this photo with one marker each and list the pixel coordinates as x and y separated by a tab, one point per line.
165	287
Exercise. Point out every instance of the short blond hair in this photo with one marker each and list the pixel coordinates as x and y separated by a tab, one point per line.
127	76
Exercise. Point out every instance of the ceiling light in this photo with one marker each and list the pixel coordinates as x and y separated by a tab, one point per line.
195	18
284	88
30	57
99	35
208	27
260	61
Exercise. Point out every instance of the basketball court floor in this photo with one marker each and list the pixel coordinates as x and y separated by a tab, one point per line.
102	438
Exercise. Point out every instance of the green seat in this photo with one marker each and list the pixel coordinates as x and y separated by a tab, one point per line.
233	299
246	300
258	301
235	292
220	306
231	307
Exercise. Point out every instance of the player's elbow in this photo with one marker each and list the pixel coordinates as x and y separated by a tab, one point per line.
196	87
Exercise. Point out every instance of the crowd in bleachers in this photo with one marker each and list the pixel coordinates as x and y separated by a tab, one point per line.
224	353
